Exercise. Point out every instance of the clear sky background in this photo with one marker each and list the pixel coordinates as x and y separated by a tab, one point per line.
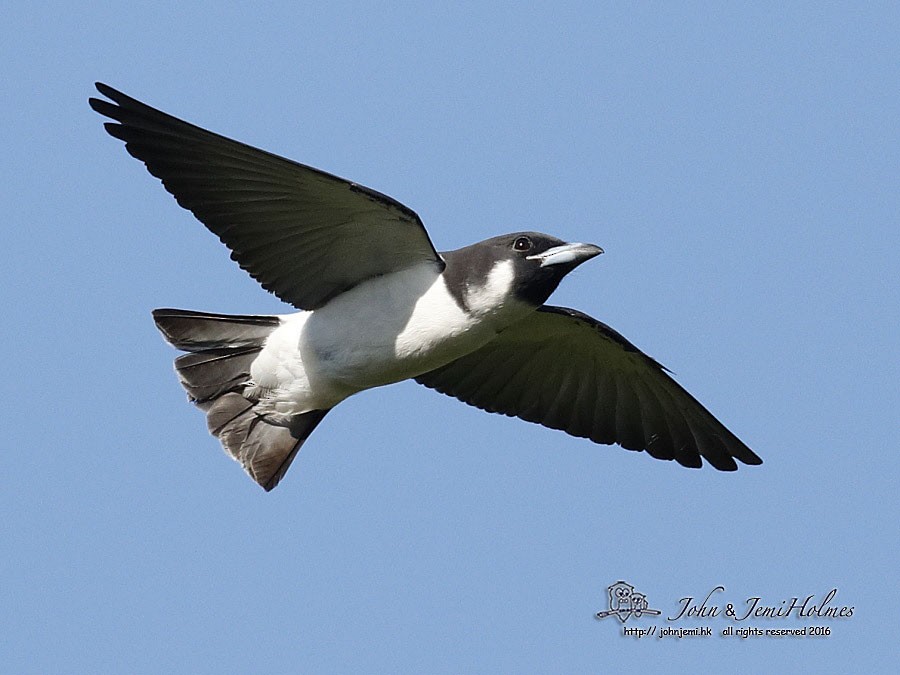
741	167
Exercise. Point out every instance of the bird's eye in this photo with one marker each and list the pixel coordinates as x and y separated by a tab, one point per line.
522	244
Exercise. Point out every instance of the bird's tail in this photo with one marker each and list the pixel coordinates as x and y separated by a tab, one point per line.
216	374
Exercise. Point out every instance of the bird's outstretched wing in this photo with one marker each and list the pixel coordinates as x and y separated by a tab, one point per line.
303	234
564	370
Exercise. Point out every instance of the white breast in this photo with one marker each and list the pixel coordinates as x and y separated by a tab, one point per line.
385	330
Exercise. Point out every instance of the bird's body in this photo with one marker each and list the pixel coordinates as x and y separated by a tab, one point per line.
385	330
378	304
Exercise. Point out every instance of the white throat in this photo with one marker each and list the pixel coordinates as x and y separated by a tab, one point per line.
495	293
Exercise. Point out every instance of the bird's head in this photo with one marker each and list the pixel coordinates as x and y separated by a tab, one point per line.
541	261
528	265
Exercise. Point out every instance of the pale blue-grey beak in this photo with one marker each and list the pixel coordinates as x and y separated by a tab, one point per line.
567	253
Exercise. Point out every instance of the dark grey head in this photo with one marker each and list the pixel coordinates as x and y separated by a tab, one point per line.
539	263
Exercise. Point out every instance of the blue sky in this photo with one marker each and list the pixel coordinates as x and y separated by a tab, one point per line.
738	165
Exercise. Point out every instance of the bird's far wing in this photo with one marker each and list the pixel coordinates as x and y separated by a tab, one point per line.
564	370
303	234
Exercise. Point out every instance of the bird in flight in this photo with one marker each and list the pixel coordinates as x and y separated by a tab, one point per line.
379	304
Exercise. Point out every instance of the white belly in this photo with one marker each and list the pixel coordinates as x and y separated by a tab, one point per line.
386	330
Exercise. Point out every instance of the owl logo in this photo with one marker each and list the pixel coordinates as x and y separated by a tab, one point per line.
624	603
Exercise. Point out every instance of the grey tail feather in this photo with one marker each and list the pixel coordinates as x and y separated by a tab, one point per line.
265	450
215	373
200	331
221	348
